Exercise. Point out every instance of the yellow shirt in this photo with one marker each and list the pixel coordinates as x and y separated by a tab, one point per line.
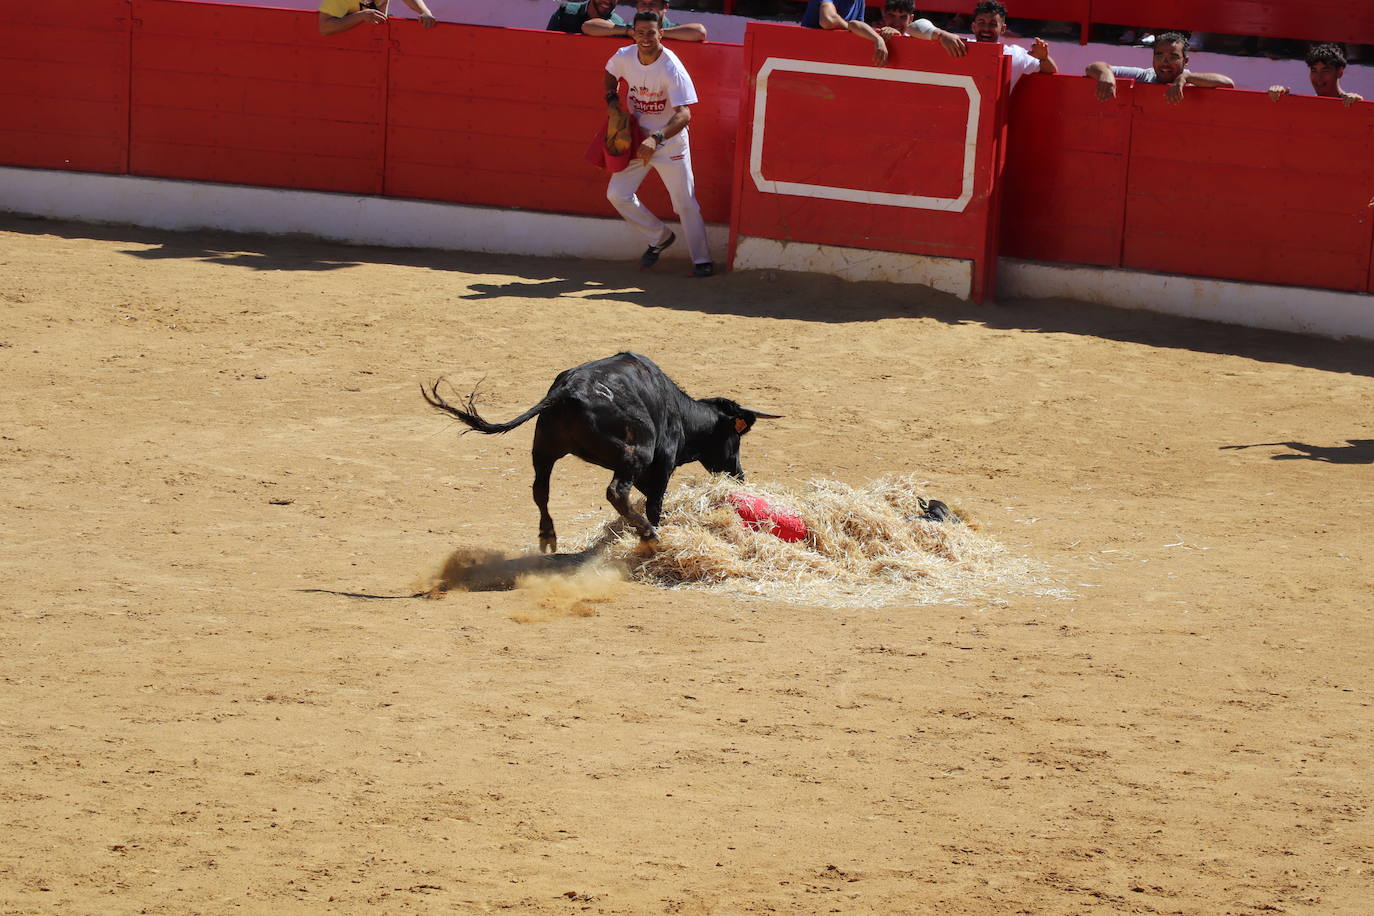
340	8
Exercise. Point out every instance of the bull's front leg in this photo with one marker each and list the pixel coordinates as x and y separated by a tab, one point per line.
618	495
653	486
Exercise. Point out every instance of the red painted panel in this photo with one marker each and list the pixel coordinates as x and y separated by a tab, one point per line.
1064	189
65	95
1316	20
256	96
904	133
502	117
1231	185
917	143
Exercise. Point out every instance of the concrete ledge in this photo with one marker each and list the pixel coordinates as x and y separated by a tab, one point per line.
393	222
1325	313
948	275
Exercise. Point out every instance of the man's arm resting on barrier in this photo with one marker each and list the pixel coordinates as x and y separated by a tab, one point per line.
333	25
925	29
1106	79
426	17
687	31
864	30
1040	50
605	28
1208	80
1173	93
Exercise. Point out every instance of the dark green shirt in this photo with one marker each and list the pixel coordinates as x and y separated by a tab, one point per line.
570	16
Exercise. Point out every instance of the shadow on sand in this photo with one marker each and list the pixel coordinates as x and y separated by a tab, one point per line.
754	294
1358	451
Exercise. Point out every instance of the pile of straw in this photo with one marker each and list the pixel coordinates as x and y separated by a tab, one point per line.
865	547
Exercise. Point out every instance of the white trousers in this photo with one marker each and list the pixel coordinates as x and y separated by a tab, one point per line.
673	162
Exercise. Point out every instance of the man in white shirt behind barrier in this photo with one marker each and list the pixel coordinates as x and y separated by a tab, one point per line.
1170	68
989	25
660	98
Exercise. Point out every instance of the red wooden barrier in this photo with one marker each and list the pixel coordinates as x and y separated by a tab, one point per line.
64	99
1231	185
1064	189
1226	185
1314	20
836	152
256	96
502	117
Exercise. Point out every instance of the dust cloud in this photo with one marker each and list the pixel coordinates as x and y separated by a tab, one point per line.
561	585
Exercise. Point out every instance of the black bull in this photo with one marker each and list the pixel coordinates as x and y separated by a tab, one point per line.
621	413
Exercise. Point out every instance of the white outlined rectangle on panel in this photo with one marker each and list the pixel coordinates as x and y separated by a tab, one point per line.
831	192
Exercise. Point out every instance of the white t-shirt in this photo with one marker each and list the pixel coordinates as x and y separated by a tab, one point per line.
1021	63
655	90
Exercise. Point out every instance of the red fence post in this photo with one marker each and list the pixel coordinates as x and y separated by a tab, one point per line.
256	96
65	95
1064	191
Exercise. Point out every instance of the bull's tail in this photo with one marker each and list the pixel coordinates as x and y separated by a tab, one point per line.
468	413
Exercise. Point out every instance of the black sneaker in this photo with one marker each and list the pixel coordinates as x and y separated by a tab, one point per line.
704	269
650	256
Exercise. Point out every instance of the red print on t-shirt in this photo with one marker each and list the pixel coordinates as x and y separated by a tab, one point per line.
647	101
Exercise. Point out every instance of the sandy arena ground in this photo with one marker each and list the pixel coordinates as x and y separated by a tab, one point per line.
208	440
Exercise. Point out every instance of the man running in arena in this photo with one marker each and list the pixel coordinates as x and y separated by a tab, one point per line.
1170	68
825	14
691	31
1325	67
660	98
341	15
990	25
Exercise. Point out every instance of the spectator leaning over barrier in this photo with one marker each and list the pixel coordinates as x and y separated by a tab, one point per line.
1170	67
341	15
691	31
660	98
990	25
1325	67
574	18
898	16
825	14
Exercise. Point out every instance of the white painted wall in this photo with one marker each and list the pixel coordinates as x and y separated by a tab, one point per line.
948	275
1324	313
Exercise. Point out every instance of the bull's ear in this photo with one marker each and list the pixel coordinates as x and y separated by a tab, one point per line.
741	425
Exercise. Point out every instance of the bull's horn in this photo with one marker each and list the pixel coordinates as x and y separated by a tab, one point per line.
765	416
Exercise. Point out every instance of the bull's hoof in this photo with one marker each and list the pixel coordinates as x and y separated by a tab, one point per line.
646	546
548	543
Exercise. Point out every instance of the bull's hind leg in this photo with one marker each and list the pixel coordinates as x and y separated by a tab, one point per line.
544	460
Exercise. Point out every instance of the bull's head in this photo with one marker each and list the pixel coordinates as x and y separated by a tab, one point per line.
721	454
